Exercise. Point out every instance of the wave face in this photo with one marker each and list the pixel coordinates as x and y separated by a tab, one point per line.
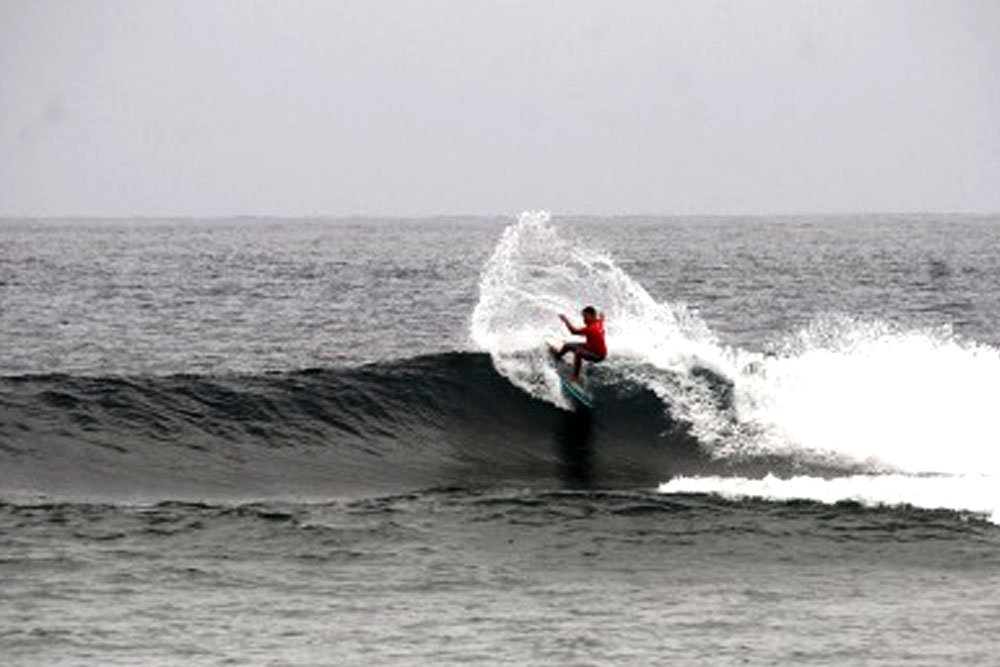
842	394
438	420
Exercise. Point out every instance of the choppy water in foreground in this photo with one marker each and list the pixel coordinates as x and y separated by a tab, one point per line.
339	442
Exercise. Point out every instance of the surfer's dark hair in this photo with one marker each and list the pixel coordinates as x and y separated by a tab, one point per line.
590	310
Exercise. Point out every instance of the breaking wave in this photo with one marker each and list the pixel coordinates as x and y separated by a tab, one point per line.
841	394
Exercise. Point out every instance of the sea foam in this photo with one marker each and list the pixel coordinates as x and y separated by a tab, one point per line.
965	493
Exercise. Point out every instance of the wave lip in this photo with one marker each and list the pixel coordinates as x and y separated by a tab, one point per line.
976	494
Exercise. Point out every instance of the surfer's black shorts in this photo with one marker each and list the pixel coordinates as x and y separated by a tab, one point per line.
581	350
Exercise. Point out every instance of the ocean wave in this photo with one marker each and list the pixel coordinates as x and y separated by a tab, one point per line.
970	494
426	421
437	420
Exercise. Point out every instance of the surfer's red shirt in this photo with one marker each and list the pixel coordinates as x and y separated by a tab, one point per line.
594	333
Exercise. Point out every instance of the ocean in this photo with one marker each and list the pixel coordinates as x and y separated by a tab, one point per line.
342	442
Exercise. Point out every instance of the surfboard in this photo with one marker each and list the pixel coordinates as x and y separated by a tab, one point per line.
574	391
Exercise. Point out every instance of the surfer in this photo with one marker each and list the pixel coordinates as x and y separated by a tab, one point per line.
592	348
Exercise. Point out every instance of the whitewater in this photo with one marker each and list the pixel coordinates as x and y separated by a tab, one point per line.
906	414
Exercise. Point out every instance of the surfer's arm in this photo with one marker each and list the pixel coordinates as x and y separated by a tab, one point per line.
569	325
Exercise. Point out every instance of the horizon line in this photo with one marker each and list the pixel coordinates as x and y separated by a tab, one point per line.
62	217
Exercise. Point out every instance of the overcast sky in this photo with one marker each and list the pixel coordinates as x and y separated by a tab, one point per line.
421	107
